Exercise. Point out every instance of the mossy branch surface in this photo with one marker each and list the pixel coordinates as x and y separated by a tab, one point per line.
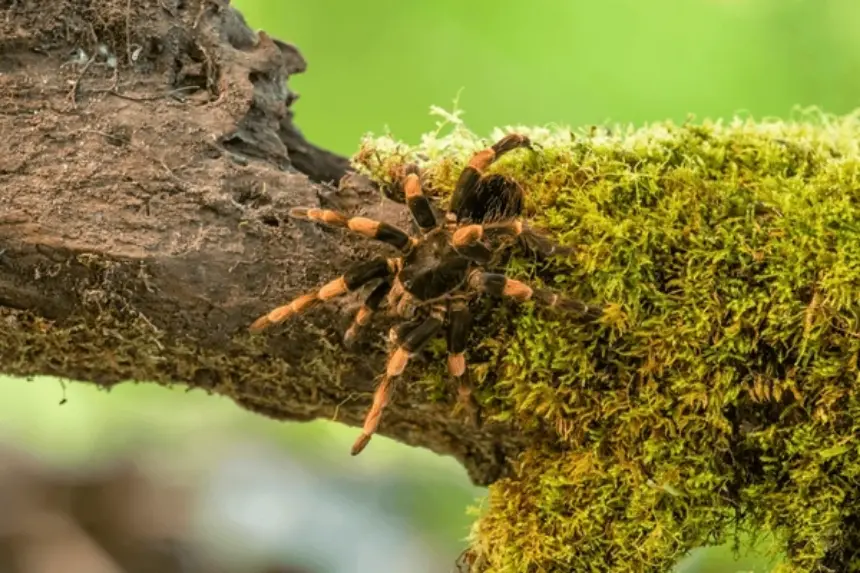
720	394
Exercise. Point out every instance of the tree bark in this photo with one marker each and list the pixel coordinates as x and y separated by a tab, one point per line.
148	160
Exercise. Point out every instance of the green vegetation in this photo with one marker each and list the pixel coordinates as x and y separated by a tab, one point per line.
719	395
379	64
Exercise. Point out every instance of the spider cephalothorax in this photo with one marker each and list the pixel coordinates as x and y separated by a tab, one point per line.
439	271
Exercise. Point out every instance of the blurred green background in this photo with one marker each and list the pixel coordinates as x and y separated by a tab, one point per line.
378	66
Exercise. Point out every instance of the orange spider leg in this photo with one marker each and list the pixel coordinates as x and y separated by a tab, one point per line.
499	285
357	276
411	343
370	228
459	325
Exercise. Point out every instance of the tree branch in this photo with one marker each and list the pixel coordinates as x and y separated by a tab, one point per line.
144	186
142	231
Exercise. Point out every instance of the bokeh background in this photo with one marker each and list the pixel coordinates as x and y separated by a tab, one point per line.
150	479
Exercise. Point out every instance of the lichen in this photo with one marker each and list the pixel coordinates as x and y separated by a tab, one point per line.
720	394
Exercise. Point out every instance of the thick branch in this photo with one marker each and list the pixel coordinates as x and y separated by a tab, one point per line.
142	230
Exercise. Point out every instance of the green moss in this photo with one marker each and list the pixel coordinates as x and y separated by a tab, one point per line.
722	386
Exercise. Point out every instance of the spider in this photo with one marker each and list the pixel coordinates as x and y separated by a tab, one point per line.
440	270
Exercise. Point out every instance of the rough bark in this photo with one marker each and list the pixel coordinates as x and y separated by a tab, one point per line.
148	160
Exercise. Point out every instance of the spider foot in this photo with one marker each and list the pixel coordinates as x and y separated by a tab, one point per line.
360	444
381	397
587	312
468	405
543	246
509	143
407	343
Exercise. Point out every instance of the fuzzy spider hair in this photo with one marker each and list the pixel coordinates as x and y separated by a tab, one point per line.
439	271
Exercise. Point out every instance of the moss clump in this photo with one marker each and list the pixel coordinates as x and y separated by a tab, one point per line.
723	389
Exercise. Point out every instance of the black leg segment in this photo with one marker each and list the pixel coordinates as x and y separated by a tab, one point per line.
436	281
418	203
365	271
371	305
459	324
421	335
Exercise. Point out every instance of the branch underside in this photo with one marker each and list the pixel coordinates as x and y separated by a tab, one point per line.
142	223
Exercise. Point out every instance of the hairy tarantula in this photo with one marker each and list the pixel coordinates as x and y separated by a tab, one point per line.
439	271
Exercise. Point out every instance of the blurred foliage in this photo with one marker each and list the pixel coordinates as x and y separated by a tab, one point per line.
382	63
78	424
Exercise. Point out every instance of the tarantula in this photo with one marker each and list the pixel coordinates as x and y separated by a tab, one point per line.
439	271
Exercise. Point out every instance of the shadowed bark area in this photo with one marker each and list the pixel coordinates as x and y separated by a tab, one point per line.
148	163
